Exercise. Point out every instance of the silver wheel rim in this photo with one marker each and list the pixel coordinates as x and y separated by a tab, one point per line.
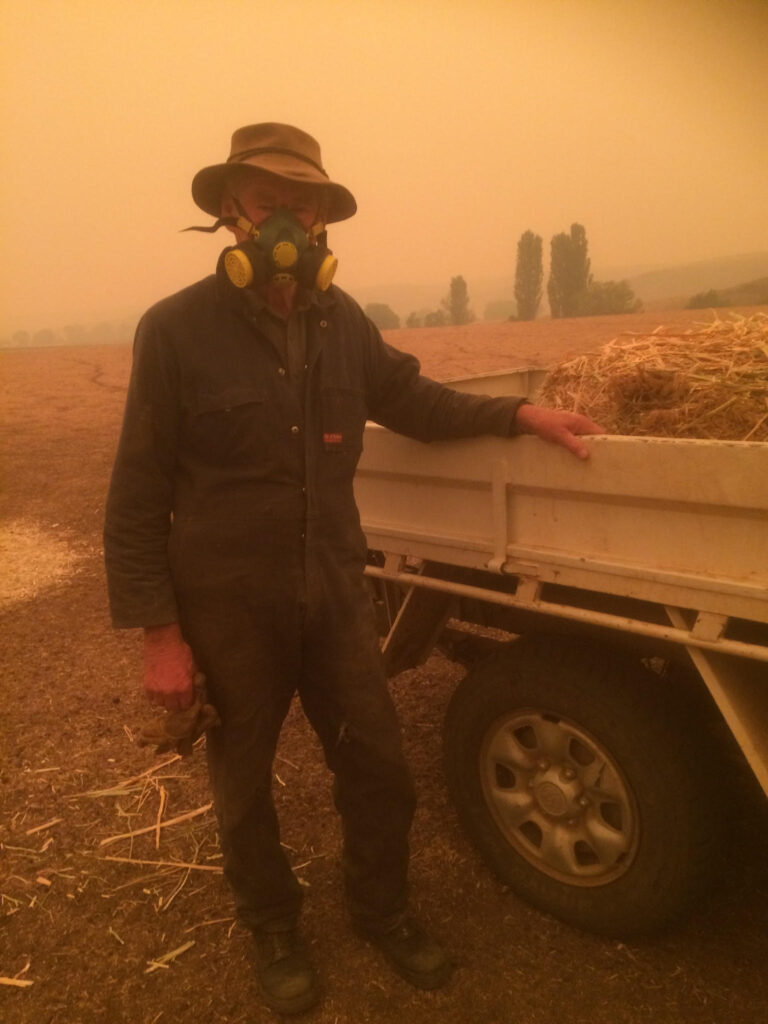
559	798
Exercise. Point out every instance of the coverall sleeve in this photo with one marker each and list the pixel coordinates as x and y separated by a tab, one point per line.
403	400
140	497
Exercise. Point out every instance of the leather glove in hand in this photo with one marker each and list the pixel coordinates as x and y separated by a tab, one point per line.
178	730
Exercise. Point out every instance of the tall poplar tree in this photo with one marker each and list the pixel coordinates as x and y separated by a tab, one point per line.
529	275
457	302
569	275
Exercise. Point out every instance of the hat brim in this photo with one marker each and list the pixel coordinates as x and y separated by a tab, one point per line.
208	186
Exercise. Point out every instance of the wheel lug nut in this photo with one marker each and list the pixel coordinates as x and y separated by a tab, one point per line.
544	765
583	801
568	773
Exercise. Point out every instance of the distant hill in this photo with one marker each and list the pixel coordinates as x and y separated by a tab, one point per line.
681	282
752	293
658	287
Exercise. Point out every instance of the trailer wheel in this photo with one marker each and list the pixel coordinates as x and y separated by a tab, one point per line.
576	775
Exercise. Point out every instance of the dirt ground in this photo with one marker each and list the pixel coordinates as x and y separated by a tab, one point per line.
97	928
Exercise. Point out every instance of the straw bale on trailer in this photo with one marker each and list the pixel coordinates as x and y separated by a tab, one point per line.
710	381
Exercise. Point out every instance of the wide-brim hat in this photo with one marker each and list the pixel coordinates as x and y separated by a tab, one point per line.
276	149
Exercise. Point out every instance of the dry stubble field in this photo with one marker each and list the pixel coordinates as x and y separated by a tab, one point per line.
88	920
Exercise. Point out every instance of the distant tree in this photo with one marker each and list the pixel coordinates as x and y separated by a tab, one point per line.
500	309
20	339
568	271
707	300
581	260
382	315
604	297
437	318
559	258
529	276
456	303
414	320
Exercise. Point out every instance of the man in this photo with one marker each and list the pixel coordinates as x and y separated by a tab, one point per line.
233	540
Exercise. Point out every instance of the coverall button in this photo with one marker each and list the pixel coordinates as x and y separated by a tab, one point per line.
294	429
323	323
281	371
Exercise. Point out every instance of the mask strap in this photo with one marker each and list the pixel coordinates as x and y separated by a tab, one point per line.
241	222
239	207
220	223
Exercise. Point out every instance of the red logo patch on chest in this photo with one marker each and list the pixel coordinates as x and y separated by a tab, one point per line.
333	438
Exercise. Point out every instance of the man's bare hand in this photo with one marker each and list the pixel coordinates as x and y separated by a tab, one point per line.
169	668
558	426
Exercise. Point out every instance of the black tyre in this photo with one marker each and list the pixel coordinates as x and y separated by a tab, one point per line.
584	783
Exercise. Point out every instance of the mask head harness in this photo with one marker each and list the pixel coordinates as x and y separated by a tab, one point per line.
278	251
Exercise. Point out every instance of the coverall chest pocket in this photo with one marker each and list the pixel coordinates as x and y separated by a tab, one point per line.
343	415
230	426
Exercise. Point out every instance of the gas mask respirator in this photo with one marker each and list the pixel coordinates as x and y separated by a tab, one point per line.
278	251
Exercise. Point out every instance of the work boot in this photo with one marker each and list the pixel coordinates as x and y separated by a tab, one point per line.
287	978
411	953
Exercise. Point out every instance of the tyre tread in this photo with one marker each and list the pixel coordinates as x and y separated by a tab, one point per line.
582	679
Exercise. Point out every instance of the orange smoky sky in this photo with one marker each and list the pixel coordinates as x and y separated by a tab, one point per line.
457	124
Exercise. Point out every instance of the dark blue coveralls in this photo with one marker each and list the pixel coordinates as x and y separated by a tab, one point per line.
231	511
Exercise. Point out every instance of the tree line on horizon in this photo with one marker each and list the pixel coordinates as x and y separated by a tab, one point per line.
571	291
453	310
571	288
106	332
